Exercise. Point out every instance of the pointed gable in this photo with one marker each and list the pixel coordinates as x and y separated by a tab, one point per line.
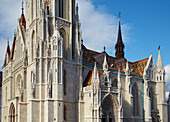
13	48
7	55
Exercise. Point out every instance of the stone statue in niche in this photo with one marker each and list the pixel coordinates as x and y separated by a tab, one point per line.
33	84
20	86
25	57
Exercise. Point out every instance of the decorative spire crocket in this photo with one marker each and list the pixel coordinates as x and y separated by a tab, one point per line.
119	47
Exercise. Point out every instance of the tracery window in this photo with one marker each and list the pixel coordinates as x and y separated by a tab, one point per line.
135	99
12	113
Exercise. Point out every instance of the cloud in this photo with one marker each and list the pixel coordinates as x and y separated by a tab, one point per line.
167	77
99	28
10	11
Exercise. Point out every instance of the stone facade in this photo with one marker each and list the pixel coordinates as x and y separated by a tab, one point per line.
50	76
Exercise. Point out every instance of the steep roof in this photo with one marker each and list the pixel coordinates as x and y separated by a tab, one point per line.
90	57
7	55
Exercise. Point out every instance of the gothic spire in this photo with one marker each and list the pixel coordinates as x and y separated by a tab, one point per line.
105	64
159	61
119	47
22	20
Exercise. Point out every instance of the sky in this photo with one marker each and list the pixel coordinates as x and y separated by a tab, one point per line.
145	26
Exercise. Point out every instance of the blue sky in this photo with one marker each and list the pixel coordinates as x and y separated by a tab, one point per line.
145	26
149	22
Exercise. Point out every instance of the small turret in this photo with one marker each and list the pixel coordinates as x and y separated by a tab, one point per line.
105	64
22	20
127	69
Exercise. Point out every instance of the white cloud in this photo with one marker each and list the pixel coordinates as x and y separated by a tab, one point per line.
99	28
167	77
166	95
10	11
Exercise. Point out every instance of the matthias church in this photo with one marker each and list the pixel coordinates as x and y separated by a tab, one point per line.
49	75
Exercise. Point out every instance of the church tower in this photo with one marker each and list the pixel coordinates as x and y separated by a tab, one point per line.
53	37
119	47
160	88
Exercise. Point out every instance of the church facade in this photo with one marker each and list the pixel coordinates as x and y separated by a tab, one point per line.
50	76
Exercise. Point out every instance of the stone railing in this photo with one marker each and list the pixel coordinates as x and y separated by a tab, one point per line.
60	21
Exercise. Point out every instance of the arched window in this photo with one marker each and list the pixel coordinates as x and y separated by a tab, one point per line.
64	82
12	113
32	45
108	109
65	42
151	95
135	99
61	8
65	112
114	83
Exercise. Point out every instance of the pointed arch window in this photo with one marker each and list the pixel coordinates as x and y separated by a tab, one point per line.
12	113
65	113
64	82
135	99
32	45
65	42
61	8
151	95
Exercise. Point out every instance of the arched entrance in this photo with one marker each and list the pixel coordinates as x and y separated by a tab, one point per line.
109	110
12	113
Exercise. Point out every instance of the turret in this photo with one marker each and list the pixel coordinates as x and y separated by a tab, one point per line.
119	47
105	64
160	68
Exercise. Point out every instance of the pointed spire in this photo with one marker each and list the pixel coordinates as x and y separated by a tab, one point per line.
119	45
159	61
127	68
105	64
95	71
22	20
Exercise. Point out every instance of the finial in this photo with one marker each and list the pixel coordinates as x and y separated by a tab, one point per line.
22	7
151	52
159	47
104	48
8	41
119	16
14	33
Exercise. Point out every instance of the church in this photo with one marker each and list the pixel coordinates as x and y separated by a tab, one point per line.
49	75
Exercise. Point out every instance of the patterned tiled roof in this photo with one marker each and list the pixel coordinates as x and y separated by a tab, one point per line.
90	57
